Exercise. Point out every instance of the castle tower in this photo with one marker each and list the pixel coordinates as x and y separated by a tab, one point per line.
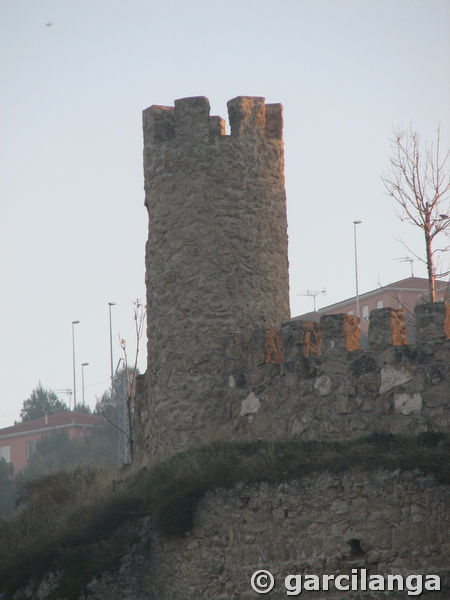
216	259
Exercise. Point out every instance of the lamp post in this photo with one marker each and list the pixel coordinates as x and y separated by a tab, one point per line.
74	370
110	304
82	377
355	223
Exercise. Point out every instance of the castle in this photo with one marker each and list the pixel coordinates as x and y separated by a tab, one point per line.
226	362
224	359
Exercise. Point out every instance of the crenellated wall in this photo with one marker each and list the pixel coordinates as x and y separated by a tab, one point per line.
224	360
313	381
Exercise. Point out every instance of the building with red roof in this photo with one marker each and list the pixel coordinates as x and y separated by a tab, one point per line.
405	294
17	443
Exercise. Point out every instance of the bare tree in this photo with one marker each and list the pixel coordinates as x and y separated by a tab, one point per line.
132	370
419	182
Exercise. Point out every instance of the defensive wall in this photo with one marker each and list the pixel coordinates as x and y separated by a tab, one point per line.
314	382
385	523
225	361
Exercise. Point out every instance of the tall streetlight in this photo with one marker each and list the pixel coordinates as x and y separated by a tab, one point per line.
110	304
82	377
74	370
355	223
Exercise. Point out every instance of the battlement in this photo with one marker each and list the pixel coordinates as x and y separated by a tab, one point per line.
224	360
189	121
313	380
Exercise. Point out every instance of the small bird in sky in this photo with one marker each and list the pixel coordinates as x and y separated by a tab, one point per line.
49	24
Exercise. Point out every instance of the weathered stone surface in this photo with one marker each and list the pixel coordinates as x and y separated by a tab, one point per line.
343	394
387	327
432	321
392	377
340	333
250	405
323	385
324	524
216	258
408	404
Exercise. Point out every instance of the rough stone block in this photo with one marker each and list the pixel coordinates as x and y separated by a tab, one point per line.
300	338
247	116
407	404
158	124
340	333
216	126
192	119
387	327
391	377
432	321
274	121
274	351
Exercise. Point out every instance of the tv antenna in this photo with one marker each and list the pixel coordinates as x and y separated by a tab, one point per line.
66	391
407	259
313	294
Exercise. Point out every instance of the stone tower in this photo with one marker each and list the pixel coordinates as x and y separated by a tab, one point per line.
216	259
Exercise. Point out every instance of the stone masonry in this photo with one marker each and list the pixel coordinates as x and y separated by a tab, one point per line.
216	258
224	360
313	381
325	524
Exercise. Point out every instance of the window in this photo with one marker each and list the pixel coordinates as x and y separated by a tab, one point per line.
350	312
365	312
31	448
379	303
5	452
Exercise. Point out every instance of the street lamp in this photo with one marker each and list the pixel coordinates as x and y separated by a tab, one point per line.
110	304
82	377
74	370
355	223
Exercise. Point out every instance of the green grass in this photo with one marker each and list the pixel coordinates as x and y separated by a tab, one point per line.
81	523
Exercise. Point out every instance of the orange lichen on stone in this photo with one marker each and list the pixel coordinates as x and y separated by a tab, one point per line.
352	332
273	347
311	338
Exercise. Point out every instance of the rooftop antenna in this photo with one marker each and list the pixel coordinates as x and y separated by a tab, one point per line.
313	294
407	259
66	391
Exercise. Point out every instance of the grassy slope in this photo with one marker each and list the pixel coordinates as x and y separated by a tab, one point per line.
81	523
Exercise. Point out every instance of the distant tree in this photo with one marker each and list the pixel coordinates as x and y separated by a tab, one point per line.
56	451
419	183
40	403
84	408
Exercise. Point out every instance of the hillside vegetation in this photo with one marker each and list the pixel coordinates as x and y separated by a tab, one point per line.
81	523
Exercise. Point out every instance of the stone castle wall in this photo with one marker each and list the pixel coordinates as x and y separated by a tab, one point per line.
386	523
312	381
216	256
224	361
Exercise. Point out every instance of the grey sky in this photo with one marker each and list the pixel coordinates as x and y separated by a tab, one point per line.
73	224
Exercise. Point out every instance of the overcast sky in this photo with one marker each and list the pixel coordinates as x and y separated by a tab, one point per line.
75	77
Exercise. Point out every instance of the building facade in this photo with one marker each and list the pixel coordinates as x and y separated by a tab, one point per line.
404	294
18	443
